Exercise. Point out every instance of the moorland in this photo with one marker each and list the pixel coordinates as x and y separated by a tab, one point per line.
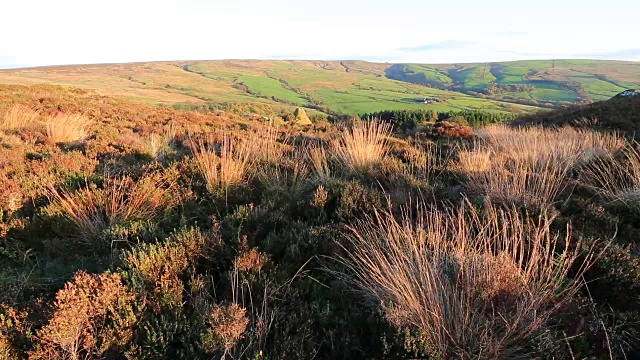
145	215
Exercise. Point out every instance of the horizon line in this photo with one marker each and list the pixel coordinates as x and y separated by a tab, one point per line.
26	67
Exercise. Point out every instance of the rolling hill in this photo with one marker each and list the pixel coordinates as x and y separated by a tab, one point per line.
543	82
346	87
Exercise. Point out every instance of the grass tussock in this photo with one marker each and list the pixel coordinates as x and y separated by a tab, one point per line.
67	128
319	162
616	178
530	165
92	210
470	284
223	164
263	145
363	146
18	116
159	145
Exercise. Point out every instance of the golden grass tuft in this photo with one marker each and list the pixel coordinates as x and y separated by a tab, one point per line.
617	179
263	145
319	161
18	116
92	210
472	284
67	128
159	145
530	165
363	146
226	166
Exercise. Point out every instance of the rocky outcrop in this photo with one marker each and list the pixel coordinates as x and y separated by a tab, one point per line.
628	93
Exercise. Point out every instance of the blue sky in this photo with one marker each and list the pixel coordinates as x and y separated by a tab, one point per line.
54	32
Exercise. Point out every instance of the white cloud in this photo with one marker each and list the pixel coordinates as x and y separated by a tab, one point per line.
41	32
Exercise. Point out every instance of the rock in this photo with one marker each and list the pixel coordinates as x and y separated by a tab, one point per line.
628	93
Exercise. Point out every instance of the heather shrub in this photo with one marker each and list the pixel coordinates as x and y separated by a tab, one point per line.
171	323
226	324
15	333
93	316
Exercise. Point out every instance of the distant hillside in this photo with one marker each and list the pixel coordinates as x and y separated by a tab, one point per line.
330	87
618	114
347	87
543	83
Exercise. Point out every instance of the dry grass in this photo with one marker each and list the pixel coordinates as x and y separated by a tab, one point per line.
530	165
319	162
263	145
473	285
226	166
363	146
616	179
93	210
159	145
18	116
67	128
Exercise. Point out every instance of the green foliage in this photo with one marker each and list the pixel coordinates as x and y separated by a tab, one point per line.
409	119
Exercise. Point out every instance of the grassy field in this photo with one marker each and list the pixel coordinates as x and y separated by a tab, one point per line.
348	87
553	81
327	86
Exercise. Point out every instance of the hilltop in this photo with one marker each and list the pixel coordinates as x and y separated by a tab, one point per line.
620	113
345	87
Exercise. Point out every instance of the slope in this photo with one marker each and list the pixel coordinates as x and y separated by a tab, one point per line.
329	87
542	82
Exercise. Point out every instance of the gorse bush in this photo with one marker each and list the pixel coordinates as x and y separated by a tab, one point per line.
472	284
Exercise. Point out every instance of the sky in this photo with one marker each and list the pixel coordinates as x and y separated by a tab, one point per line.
57	32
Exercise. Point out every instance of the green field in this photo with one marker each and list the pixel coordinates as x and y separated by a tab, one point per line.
553	81
347	87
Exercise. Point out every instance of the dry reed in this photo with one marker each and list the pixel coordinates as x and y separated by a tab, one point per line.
92	210
18	116
224	167
473	285
65	128
616	179
363	146
530	165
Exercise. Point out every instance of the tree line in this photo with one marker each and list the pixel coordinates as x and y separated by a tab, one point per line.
409	119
